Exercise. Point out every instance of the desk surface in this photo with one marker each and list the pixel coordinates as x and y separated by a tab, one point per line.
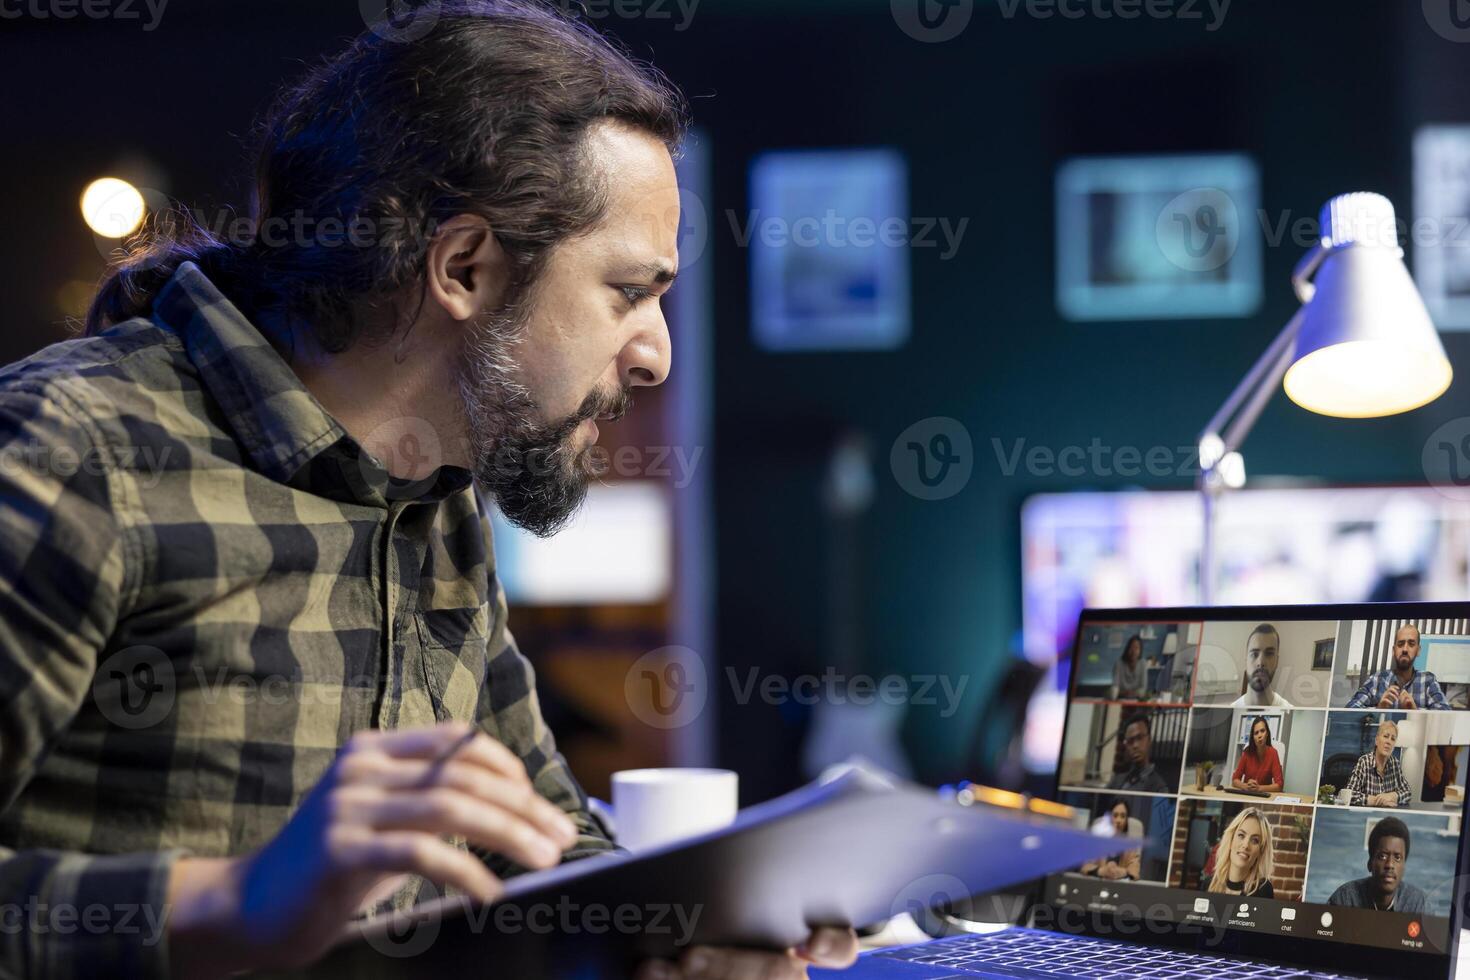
1230	794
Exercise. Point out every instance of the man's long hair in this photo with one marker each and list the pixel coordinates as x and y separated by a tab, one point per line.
356	164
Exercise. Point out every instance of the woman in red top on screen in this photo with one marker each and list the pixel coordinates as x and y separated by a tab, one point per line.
1259	767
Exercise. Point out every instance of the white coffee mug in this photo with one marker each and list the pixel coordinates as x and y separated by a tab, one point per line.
655	806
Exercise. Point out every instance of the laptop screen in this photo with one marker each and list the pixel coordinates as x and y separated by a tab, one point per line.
1296	774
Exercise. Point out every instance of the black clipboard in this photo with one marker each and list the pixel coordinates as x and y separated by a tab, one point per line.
852	852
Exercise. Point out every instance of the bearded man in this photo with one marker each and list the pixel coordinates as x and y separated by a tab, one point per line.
254	659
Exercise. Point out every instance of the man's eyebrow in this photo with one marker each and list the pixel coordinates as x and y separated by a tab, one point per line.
659	272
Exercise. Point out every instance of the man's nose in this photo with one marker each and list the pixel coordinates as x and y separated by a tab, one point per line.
644	362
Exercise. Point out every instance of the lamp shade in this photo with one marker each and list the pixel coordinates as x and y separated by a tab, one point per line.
1366	346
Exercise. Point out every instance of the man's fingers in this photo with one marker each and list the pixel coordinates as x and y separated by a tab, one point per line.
418	853
517	796
718	963
447	811
832	947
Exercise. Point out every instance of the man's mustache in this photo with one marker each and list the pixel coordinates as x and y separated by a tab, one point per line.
609	405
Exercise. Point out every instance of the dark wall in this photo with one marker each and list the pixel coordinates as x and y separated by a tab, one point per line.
1324	95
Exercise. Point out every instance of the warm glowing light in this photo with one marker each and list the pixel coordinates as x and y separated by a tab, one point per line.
112	208
1366	379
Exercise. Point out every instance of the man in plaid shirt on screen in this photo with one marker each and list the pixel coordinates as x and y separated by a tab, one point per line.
1377	778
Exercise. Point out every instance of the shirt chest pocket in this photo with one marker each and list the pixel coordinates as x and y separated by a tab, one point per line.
452	643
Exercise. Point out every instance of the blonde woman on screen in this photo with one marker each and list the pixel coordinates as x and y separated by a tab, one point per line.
1244	858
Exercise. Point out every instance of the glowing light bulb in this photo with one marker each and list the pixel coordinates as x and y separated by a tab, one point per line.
112	208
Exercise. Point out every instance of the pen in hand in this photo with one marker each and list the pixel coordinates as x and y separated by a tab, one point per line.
439	761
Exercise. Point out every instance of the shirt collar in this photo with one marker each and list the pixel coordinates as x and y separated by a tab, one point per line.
287	434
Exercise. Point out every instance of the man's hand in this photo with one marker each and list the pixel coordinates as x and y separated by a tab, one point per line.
1390	697
380	812
1406	701
832	948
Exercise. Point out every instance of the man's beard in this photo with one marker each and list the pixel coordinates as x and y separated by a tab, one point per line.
531	468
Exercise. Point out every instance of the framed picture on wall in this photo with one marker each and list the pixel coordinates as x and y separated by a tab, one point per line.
1322	653
1442	223
829	249
1172	237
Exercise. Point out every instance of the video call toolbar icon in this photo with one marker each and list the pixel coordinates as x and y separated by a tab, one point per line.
1202	905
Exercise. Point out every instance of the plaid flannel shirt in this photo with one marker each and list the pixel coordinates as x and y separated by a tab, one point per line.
1365	781
207	586
1423	688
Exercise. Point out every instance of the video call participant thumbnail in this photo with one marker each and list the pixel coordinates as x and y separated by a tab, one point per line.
1141	776
1245	857
1262	657
1385	888
1401	686
1259	768
1130	673
1377	778
1125	865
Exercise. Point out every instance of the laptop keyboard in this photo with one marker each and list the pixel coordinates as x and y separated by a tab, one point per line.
1039	955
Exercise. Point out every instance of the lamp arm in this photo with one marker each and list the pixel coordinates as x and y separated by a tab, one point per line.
1241	426
1232	423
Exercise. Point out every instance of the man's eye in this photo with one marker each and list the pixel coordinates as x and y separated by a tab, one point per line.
634	294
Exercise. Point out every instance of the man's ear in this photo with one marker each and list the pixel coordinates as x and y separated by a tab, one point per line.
468	271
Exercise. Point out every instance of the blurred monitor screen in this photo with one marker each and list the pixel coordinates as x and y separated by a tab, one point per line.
829	234
616	551
1442	223
1158	237
1275	545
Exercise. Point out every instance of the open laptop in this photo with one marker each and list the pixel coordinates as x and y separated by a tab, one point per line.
1251	803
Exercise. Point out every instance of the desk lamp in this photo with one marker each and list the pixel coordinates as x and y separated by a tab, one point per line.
1361	346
